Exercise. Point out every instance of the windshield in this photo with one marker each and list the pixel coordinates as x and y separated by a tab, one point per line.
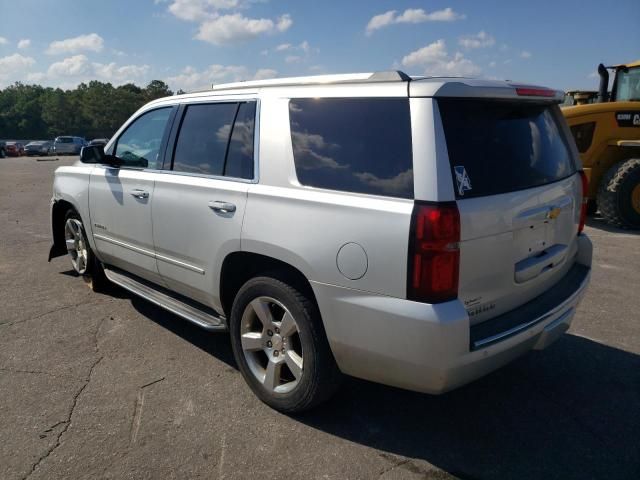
628	85
64	140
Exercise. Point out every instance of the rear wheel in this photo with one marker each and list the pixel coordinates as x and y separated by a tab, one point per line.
619	194
83	261
280	346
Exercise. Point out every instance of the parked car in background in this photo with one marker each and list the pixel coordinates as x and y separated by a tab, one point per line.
68	145
99	141
14	149
38	148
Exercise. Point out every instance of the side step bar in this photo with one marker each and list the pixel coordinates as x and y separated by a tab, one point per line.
209	320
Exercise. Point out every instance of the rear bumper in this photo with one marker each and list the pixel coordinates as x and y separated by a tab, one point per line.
433	348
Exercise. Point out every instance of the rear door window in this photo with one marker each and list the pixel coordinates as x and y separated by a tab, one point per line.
360	145
216	139
500	146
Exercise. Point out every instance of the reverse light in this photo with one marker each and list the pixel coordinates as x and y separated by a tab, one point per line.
585	201
434	252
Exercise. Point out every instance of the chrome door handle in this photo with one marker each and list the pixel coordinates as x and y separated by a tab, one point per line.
138	193
222	207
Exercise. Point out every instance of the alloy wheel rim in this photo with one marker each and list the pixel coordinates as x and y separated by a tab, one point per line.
271	344
76	246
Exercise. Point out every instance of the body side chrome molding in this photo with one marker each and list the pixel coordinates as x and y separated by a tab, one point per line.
149	253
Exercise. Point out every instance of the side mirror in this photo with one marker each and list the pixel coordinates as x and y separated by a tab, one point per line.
95	154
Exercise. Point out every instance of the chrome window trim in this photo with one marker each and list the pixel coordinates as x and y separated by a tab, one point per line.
256	141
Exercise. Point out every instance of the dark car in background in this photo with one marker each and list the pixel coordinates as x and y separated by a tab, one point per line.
99	141
38	148
68	145
14	149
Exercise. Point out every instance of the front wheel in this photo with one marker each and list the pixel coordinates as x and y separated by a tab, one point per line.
280	346
83	260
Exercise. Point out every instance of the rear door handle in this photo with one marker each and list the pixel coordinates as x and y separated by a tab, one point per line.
222	207
139	193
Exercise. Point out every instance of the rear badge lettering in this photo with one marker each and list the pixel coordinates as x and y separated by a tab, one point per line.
487	307
464	182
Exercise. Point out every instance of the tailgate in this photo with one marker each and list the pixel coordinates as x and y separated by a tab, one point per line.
518	194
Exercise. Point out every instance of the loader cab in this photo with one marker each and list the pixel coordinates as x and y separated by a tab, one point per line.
626	84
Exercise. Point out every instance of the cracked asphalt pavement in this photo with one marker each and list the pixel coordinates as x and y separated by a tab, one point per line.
110	386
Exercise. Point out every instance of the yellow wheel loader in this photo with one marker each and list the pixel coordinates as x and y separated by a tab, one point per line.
607	134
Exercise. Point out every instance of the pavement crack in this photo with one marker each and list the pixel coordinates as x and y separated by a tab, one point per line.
44	314
39	372
68	420
137	410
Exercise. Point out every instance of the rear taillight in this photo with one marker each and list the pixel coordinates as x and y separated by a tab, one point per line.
434	252
585	201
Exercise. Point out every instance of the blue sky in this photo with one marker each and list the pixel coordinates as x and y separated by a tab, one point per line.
193	43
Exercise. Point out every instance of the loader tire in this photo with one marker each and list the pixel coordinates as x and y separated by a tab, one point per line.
619	194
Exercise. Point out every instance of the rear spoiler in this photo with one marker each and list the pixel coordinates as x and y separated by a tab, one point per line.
473	88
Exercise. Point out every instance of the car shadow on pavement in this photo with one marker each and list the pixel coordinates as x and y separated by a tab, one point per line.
572	411
569	412
214	343
598	222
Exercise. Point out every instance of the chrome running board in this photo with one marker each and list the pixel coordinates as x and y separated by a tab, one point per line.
209	320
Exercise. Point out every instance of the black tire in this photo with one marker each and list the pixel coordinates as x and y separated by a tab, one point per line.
94	275
320	375
615	194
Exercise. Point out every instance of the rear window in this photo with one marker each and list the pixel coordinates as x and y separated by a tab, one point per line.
498	147
360	145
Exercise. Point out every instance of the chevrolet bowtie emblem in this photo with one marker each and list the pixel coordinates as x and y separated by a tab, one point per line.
553	213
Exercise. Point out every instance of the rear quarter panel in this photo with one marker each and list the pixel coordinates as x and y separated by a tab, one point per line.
306	227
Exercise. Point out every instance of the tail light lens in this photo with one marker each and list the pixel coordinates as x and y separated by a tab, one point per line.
585	201
434	252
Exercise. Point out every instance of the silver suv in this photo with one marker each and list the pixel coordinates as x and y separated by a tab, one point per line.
417	232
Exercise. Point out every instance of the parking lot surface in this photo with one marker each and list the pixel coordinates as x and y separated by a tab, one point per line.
110	386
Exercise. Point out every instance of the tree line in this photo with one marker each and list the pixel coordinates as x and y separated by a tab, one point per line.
93	110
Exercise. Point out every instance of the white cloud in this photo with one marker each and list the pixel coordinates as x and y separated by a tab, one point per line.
113	73
411	15
480	40
193	79
265	73
91	42
226	29
436	61
3	41
197	10
492	64
14	66
24	43
284	46
219	24
70	67
525	54
434	52
293	58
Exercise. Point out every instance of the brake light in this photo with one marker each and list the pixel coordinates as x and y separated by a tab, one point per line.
434	252
585	201
535	92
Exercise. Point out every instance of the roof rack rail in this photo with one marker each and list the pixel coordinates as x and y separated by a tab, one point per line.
389	76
